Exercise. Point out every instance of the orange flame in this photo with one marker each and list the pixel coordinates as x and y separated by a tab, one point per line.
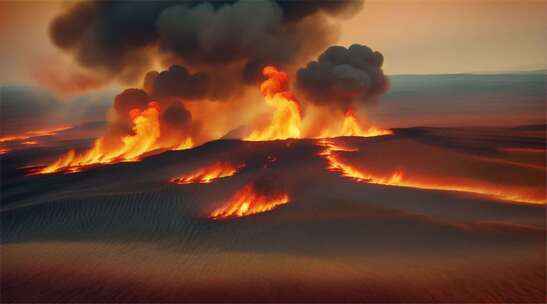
208	174
350	127
335	164
247	202
286	118
146	133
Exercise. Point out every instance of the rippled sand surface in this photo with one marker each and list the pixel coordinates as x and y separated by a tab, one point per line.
124	233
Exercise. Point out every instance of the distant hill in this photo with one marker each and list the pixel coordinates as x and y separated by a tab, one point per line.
462	99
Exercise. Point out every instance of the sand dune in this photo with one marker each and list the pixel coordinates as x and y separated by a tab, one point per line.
137	237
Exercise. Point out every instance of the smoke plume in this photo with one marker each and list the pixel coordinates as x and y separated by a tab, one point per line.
177	82
343	77
121	39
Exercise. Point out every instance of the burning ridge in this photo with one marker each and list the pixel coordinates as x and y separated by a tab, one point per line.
158	126
351	127
255	197
145	138
337	165
209	174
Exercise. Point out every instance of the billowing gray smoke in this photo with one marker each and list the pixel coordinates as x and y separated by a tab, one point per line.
118	38
160	88
167	88
342	77
177	82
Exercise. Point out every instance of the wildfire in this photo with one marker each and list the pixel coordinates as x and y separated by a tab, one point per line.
209	174
350	127
248	201
187	144
146	128
287	118
335	164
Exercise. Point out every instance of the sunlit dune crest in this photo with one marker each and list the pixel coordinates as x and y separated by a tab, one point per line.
286	119
209	174
248	201
146	128
397	178
350	127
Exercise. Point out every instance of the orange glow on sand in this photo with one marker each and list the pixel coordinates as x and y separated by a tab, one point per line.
146	128
31	134
286	119
350	127
28	138
398	178
248	201
208	174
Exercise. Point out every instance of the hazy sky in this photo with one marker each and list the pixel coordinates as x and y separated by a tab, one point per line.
453	36
416	37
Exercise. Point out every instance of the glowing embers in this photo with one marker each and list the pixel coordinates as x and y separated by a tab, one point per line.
397	178
209	174
253	198
350	127
286	119
146	132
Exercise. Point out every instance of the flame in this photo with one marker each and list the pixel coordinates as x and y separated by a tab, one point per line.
247	202
350	127
208	174
146	128
186	144
335	164
286	119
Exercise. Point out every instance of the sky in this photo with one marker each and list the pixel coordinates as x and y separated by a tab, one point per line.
453	36
415	36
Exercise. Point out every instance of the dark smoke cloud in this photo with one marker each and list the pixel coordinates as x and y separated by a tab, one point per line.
343	76
118	38
177	82
168	89
177	115
130	99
